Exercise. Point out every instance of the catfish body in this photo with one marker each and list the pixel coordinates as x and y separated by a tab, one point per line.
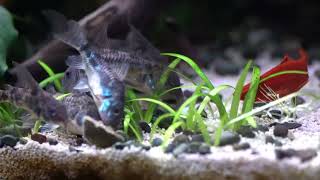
104	82
36	101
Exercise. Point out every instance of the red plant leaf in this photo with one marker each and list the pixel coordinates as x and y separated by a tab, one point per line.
283	84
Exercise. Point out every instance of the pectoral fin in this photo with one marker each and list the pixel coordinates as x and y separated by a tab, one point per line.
82	85
75	62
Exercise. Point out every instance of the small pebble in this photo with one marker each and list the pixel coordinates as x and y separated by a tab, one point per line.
145	127
270	139
262	128
289	125
228	137
246	131
8	140
292	125
39	138
170	148
241	146
280	130
204	149
181	148
298	100
193	147
52	141
23	141
197	138
156	142
181	138
187	132
277	114
303	155
119	145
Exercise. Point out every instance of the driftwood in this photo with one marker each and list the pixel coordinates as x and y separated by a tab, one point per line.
114	11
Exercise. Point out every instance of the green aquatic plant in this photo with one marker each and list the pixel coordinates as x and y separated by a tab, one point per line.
55	78
189	116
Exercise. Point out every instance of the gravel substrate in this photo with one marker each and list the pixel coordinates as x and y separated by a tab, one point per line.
44	161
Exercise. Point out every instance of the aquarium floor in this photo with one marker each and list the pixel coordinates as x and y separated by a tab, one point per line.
42	161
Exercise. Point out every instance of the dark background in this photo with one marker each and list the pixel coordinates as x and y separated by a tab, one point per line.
185	25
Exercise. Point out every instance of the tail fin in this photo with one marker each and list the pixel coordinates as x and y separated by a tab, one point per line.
68	31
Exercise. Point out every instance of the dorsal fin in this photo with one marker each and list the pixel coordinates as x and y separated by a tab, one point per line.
285	59
25	79
139	44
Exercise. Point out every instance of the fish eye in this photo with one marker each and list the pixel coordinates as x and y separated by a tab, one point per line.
116	111
52	112
67	74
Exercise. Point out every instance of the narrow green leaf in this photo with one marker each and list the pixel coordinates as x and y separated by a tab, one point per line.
138	114
50	79
165	106
283	72
169	132
51	73
156	123
238	90
217	100
251	95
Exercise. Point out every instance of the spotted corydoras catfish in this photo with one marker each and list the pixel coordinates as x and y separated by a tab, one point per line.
39	103
105	82
146	65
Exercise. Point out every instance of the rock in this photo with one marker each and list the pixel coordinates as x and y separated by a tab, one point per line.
298	100
23	141
170	148
292	125
145	127
197	138
270	139
8	140
303	155
204	149
262	128
100	135
119	145
277	114
187	132
181	148
52	141
193	147
181	138
228	137
280	130
241	146
39	138
156	142
246	131
289	125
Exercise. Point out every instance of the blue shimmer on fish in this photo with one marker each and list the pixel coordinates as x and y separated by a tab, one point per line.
105	82
146	65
